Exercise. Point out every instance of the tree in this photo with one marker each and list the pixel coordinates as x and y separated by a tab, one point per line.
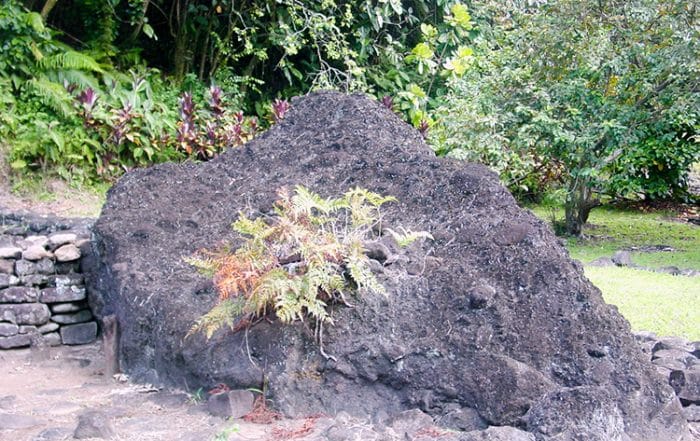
595	82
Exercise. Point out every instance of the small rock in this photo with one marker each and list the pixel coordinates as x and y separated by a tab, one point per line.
7	401
8	280
11	252
689	384
377	250
25	313
49	327
53	339
35	280
503	433
235	403
462	418
669	363
673	343
59	308
67	253
673	270
8	329
27	329
692	413
35	252
29	241
602	262
7	266
79	334
689	272
25	267
647	347
66	280
53	434
67	319
9	421
45	266
62	294
93	424
480	295
644	336
38	348
622	258
19	294
676	354
339	432
67	267
19	230
408	423
16	341
58	239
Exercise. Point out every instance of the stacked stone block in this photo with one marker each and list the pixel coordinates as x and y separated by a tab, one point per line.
43	298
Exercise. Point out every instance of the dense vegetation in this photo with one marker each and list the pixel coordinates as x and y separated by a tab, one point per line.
590	98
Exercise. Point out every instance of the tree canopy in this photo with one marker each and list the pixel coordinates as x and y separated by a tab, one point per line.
598	97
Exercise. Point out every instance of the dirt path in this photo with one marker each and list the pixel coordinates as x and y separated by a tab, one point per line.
43	392
58	199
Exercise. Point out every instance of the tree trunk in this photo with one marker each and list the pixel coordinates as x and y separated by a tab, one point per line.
181	53
579	203
46	10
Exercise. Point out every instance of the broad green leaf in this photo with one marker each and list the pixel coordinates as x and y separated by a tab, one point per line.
422	51
460	16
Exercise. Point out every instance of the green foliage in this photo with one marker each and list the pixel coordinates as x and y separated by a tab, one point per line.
588	86
407	237
309	255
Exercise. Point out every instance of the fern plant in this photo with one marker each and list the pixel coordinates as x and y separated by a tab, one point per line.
296	263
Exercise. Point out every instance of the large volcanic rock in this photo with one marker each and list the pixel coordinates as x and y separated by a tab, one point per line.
491	319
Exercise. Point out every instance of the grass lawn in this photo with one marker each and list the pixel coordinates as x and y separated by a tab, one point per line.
610	229
664	304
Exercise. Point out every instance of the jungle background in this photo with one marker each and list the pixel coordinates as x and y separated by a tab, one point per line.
589	110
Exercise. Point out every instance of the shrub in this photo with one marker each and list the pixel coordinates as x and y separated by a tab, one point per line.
309	255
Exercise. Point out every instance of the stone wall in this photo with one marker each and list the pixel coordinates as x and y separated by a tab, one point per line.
43	298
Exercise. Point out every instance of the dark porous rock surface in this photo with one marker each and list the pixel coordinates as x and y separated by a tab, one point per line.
498	319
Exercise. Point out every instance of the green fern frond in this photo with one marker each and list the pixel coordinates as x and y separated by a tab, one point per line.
205	266
82	79
34	20
256	228
357	263
362	195
272	285
51	94
306	201
316	308
223	314
287	306
70	60
311	253
407	237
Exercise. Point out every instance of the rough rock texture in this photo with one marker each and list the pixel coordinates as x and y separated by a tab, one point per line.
37	291
492	315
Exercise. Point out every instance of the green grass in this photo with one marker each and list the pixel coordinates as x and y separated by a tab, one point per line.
611	229
664	304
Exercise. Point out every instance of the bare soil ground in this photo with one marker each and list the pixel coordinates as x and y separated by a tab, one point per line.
43	391
58	199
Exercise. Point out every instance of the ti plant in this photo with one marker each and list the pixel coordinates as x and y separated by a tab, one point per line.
296	263
222	130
